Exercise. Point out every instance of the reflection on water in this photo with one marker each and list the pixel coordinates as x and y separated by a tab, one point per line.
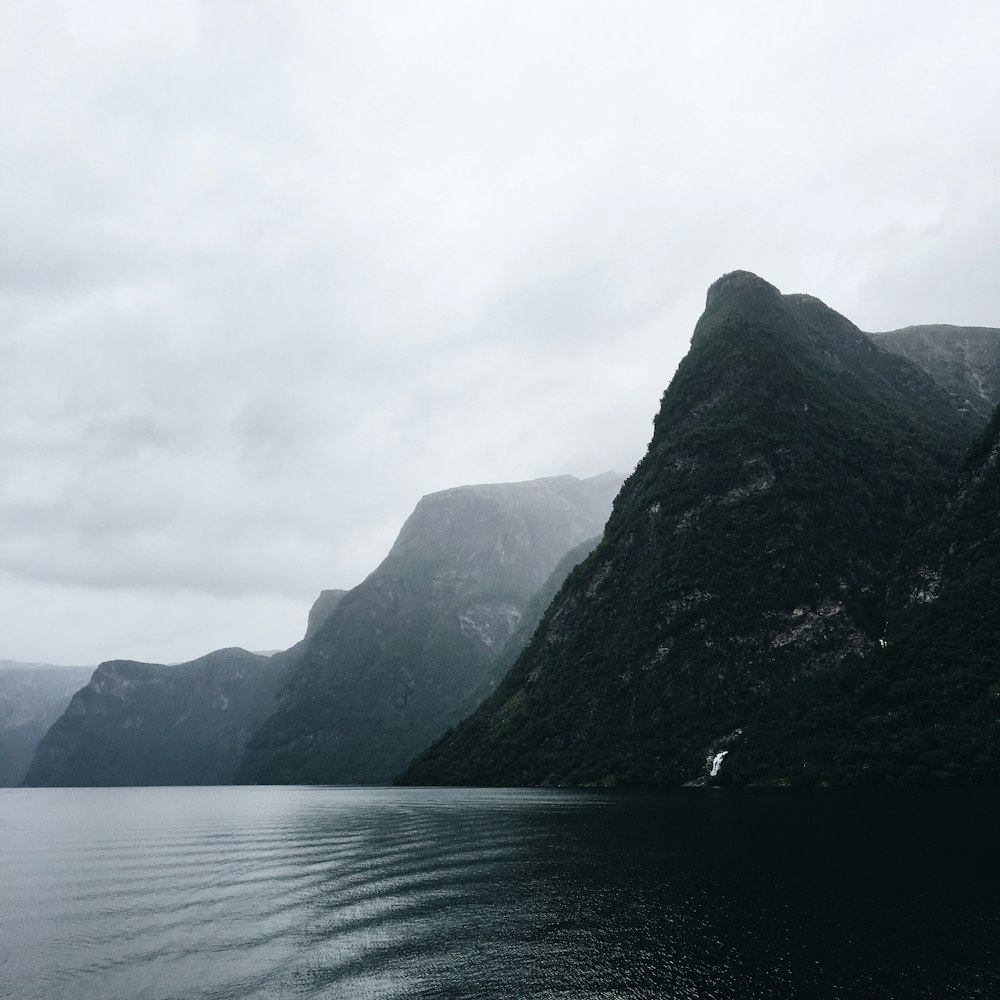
373	893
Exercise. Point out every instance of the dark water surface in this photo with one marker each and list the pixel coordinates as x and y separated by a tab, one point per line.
196	893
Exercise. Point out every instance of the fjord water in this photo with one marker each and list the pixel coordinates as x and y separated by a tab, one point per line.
289	892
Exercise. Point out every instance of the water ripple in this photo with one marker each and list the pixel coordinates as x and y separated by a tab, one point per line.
373	894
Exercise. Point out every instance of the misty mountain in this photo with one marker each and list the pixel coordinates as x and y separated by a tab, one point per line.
755	547
158	724
413	648
322	608
963	360
154	724
32	697
531	616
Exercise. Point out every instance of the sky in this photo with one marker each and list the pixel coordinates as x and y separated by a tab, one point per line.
270	272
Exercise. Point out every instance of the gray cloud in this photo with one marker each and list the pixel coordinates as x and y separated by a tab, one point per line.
268	274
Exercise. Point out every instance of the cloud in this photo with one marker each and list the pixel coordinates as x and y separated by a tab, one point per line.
268	275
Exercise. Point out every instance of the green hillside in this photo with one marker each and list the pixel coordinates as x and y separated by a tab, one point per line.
792	462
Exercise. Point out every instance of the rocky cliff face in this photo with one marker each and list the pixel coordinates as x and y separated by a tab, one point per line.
322	608
408	652
753	548
32	697
151	724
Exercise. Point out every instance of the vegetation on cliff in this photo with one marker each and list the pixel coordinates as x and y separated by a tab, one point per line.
754	549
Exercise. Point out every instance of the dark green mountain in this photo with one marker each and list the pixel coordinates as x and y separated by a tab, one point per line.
32	697
926	708
963	360
151	724
413	648
792	461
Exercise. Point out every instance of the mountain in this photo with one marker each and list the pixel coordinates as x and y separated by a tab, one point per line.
963	360
32	697
925	709
322	608
531	616
754	547
158	724
413	648
152	724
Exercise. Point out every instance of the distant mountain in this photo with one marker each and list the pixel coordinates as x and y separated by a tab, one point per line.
32	697
151	724
963	360
754	548
413	648
163	724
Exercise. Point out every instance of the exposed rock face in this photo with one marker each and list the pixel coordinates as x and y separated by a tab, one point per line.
32	697
532	615
963	360
791	461
410	650
322	608
151	724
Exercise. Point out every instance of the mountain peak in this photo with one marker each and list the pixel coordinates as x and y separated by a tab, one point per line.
750	549
739	283
322	608
738	298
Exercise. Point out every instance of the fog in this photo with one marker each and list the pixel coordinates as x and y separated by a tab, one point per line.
270	273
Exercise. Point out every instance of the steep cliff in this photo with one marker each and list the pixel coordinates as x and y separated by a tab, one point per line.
322	608
792	461
410	650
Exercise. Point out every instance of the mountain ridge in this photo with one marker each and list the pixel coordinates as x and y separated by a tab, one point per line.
963	360
405	654
158	724
791	460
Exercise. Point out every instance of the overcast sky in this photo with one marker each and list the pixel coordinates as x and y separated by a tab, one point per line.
269	272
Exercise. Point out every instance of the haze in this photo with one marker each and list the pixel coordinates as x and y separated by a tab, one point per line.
271	272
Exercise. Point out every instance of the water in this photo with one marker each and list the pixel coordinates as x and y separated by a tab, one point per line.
197	893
